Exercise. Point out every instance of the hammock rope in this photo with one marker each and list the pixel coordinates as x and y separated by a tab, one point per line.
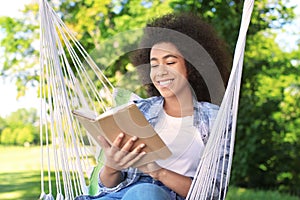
61	92
225	123
67	80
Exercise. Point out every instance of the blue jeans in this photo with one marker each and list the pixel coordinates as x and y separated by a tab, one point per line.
145	189
142	191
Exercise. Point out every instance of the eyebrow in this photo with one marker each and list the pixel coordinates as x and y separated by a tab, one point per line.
165	57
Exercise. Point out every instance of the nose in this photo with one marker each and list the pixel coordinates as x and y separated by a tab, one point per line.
162	70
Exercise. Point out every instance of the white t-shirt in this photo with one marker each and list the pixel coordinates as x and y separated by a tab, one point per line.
184	141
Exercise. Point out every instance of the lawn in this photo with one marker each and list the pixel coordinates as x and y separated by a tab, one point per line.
19	173
20	178
19	185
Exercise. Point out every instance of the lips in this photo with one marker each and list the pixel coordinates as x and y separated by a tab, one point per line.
165	83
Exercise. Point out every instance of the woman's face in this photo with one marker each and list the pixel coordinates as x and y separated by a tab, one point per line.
168	71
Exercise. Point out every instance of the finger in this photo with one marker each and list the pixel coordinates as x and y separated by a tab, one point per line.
135	159
117	142
131	155
119	156
129	144
103	142
139	148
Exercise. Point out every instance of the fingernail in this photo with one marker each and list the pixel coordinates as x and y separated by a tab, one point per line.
121	135
134	138
142	145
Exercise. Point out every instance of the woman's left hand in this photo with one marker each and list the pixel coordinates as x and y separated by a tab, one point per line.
153	169
176	182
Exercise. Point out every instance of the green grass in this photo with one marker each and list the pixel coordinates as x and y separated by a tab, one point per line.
19	185
20	178
19	173
247	194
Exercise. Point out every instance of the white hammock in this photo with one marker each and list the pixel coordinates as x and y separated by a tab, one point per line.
67	80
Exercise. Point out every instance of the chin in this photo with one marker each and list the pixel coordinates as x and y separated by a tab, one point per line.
167	94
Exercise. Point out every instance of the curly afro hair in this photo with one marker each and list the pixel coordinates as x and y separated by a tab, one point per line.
191	35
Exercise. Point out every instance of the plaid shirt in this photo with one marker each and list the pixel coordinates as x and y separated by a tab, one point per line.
204	116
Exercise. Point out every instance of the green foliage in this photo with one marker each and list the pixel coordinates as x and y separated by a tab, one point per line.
7	136
24	135
18	44
2	125
21	128
23	116
267	143
96	21
226	15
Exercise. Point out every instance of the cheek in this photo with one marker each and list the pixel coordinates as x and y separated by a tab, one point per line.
184	70
185	74
152	74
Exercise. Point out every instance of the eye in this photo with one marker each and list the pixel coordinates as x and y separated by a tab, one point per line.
153	65
171	63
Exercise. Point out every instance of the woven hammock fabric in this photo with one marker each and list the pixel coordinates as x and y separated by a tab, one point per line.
68	77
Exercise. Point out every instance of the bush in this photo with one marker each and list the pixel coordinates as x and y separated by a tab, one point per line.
24	135
7	136
19	128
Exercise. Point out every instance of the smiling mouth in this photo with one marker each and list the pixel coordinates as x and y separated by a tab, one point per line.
165	83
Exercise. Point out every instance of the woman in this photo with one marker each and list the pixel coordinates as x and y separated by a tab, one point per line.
179	109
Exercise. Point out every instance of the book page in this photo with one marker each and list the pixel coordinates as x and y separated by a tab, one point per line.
89	114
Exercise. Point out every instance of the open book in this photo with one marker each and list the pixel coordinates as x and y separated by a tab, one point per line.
129	120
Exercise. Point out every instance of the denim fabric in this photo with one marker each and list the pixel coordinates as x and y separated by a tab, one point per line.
146	186
146	191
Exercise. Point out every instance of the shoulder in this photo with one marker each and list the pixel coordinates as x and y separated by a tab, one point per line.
205	116
208	108
209	105
150	107
207	112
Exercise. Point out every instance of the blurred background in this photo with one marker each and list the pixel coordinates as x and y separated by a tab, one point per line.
266	161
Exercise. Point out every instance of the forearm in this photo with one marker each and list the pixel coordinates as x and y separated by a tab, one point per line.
110	177
176	182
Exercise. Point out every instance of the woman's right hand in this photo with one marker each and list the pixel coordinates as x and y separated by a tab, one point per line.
117	157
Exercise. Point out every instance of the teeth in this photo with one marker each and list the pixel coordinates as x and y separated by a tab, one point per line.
163	83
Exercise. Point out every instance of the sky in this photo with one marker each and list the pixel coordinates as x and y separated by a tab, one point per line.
8	101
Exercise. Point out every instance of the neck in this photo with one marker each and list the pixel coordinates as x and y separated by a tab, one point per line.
179	106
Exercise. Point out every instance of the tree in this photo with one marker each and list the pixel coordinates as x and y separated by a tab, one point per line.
21	127
268	123
20	56
2	126
267	129
24	135
8	137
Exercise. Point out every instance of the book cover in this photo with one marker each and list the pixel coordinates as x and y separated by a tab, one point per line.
129	120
